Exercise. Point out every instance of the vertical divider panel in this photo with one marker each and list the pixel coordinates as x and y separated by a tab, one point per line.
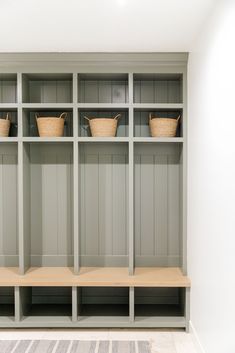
22	302
131	177
75	176
75	111
132	304
187	308
19	100
74	304
131	207
24	207
184	178
75	208
18	313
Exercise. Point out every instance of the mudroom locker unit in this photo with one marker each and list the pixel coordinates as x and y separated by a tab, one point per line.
93	230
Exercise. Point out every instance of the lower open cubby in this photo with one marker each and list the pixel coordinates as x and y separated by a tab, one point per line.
7	307
158	302
45	305
76	305
103	304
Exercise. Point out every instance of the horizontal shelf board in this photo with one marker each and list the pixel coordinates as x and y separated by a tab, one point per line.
113	106
46	319
160	321
103	139
159	139
47	139
47	105
163	106
9	106
94	139
9	139
6	319
96	321
94	277
103	320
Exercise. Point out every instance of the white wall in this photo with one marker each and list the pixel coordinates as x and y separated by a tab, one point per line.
211	181
100	25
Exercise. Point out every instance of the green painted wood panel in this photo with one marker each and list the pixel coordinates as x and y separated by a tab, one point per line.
151	88
103	88
47	88
50	190
157	205
8	89
104	190
8	205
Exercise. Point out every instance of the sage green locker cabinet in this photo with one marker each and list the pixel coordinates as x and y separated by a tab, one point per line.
89	227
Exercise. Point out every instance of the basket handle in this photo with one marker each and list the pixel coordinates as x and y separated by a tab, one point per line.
36	116
7	116
85	117
117	116
63	114
150	117
178	118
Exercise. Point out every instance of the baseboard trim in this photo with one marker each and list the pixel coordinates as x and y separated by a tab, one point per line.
195	338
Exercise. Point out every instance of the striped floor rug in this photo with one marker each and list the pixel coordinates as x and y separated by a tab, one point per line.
66	346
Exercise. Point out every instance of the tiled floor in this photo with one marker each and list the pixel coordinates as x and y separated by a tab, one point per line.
162	341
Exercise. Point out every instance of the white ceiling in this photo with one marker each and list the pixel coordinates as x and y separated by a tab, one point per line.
100	25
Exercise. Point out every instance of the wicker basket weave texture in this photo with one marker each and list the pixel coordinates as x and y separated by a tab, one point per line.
163	127
5	126
103	127
51	126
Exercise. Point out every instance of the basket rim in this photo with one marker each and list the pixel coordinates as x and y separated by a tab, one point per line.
161	118
101	119
49	117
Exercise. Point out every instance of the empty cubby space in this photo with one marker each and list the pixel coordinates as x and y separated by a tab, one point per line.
7	304
11	114
159	302
47	185
141	120
47	88
43	302
158	204
8	204
158	88
83	124
103	199
103	301
103	88
8	88
30	124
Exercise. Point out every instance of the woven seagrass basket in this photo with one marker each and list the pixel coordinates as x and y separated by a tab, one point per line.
103	127
163	127
5	126
51	126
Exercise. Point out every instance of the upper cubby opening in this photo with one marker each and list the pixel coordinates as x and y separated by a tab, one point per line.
47	88
158	88
8	88
103	88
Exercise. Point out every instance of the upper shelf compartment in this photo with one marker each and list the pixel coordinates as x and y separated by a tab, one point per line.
47	88
8	88
158	88
103	88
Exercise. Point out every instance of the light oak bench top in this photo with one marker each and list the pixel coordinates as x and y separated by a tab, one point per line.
94	276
